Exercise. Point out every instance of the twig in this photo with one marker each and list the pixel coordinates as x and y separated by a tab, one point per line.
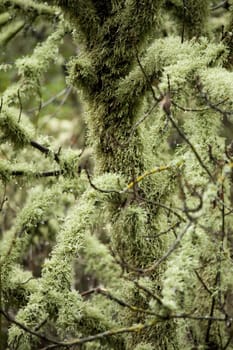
228	342
4	198
186	109
1	104
202	282
68	90
210	321
147	291
168	253
25	282
183	23
201	318
187	210
40	104
172	227
45	150
49	101
151	172
166	105
136	125
146	77
37	175
137	328
97	188
169	209
121	302
41	324
20	105
212	105
26	329
225	4
184	137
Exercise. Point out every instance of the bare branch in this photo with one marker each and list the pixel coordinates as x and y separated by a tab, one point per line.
45	150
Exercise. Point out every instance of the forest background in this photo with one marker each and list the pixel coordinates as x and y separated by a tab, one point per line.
116	163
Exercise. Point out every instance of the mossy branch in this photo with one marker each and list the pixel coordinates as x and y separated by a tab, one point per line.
4	18
10	31
30	6
31	68
154	171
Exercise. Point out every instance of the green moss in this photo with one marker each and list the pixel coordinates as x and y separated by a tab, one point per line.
99	262
144	346
15	131
124	54
31	6
192	17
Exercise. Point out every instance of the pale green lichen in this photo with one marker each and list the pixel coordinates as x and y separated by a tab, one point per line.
57	271
68	162
115	71
31	6
144	346
31	68
98	261
18	132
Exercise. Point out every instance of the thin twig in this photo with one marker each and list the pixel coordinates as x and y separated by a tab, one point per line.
52	173
202	282
26	329
169	209
168	253
97	188
20	105
137	328
147	291
183	22
146	77
1	104
151	172
49	101
136	125
45	150
166	104
210	321
187	109
213	106
223	4
121	302
4	198
172	227
68	90
201	318
228	342
184	137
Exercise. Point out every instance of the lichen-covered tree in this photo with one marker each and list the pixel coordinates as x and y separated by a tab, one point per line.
141	254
